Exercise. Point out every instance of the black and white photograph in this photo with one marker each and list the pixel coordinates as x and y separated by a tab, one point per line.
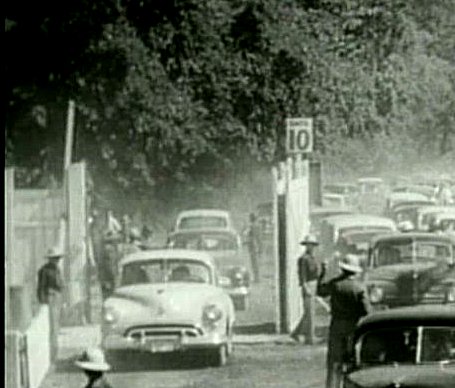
229	194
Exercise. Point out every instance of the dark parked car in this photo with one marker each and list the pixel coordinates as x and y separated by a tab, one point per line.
411	268
410	347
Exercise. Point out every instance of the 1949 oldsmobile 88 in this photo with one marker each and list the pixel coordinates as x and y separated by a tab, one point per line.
169	301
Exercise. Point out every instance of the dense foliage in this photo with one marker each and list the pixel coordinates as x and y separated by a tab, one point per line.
173	93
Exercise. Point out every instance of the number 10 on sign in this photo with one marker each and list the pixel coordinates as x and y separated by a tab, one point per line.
299	135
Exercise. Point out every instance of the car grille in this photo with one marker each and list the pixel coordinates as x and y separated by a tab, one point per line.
156	331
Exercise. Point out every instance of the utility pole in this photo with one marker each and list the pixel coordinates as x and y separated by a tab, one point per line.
69	135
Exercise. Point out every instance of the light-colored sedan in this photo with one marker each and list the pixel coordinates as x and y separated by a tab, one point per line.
169	301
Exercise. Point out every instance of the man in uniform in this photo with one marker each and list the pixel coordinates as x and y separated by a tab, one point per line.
308	272
50	287
349	302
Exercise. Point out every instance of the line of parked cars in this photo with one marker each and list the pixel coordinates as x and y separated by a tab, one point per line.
409	341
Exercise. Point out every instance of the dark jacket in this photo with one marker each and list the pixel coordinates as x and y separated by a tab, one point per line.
348	298
308	268
49	280
349	302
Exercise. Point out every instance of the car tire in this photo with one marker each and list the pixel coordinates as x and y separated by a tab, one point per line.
219	356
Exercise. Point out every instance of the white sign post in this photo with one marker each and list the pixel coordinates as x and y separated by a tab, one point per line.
299	135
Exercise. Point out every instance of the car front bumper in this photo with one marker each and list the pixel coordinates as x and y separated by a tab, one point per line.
114	341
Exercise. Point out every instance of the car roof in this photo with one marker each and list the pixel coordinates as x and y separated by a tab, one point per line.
331	209
415	235
435	209
204	212
333	195
411	204
445	215
412	315
408	195
204	230
360	220
370	180
168	254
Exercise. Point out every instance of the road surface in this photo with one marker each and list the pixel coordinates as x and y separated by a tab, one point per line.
254	365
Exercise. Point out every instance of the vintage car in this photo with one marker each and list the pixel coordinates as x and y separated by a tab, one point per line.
357	242
407	211
372	195
230	259
203	218
168	301
444	222
349	191
318	214
411	268
427	214
397	198
427	190
409	347
335	227
332	199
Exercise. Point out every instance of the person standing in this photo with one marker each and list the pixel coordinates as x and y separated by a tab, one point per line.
94	365
349	302
308	271
253	237
49	290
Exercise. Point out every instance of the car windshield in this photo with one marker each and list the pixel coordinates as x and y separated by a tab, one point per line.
203	222
165	271
205	241
407	251
359	241
407	345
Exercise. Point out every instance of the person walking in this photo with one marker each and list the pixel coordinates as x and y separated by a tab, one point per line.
308	271
49	290
94	365
349	302
253	237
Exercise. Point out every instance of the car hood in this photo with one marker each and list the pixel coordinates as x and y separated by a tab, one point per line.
177	302
405	376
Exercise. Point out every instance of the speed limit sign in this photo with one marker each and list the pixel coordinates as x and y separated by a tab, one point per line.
299	135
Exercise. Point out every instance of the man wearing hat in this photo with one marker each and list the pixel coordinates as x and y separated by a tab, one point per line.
349	302
49	277
94	364
50	286
308	271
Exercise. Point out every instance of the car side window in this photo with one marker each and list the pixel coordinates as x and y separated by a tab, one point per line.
389	346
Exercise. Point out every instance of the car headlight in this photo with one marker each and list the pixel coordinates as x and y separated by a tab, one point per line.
110	315
211	314
376	294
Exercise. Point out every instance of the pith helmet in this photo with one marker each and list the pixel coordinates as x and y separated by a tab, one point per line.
350	263
309	240
93	359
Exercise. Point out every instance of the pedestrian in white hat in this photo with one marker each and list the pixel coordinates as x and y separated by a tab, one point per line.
94	365
348	303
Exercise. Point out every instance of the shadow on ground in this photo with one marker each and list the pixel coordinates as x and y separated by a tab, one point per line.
261	328
131	361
